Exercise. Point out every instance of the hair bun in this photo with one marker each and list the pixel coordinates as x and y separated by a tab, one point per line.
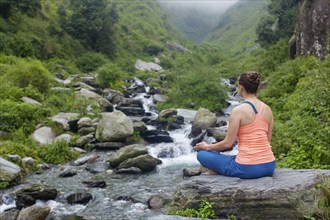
253	77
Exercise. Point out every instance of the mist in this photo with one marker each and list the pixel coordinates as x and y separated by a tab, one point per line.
212	6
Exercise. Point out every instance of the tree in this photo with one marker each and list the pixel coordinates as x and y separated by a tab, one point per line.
29	7
280	23
92	23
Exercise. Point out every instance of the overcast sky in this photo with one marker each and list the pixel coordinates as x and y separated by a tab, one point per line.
212	5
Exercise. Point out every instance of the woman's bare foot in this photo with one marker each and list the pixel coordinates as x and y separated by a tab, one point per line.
212	172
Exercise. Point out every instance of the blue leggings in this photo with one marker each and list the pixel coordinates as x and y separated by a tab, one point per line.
226	165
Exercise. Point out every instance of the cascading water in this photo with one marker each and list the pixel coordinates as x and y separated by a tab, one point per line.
125	196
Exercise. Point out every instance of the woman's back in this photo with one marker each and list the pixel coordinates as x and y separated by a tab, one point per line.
253	139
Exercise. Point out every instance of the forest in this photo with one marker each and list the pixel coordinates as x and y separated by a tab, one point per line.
41	39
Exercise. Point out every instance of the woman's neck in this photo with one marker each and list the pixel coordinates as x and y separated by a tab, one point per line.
249	97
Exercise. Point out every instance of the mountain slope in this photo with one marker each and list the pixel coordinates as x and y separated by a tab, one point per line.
236	32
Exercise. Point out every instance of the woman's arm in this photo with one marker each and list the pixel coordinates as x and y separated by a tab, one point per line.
234	122
270	129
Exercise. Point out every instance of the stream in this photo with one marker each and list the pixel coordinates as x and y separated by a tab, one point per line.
125	195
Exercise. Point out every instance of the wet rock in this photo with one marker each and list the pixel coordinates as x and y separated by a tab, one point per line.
159	98
95	184
9	215
131	170
77	149
79	198
107	145
156	136
96	167
140	126
127	152
159	201
218	133
198	139
166	113
131	111
144	162
85	159
34	213
72	217
268	197
192	172
9	172
68	172
114	126
96	97
27	196
204	118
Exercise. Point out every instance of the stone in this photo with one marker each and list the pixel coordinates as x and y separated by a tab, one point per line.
219	133
34	213
191	172
107	145
86	130
140	126
14	158
94	96
95	184
30	101
85	159
83	140
144	162
44	135
68	172
79	198
127	152
176	47
289	194
63	118
9	215
131	170
28	162
84	122
166	113
204	118
156	136
9	172
65	137
159	201
114	126
147	66
28	195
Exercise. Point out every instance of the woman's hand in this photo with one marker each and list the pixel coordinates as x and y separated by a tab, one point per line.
201	146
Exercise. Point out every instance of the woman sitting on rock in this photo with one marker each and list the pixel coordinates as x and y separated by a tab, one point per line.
252	123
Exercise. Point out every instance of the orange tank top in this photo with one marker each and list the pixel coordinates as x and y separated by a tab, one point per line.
253	144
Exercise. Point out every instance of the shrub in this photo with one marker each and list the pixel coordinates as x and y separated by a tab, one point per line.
205	211
91	61
110	75
57	152
29	72
14	115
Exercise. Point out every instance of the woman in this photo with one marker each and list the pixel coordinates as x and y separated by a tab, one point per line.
251	123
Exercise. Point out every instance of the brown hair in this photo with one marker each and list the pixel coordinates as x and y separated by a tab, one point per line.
250	80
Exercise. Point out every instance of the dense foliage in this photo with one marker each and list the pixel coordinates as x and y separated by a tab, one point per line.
48	39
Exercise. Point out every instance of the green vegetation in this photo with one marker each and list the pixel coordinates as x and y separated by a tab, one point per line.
205	210
3	184
41	40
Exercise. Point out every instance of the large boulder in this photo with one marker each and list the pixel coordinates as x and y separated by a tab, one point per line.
96	97
204	119
28	195
147	66
114	126
144	162
127	152
289	194
9	172
34	213
44	135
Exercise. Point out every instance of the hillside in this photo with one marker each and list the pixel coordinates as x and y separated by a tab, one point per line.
236	31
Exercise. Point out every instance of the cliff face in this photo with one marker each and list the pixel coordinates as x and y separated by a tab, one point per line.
313	28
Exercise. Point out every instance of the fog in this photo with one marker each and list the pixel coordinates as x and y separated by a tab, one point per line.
205	5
